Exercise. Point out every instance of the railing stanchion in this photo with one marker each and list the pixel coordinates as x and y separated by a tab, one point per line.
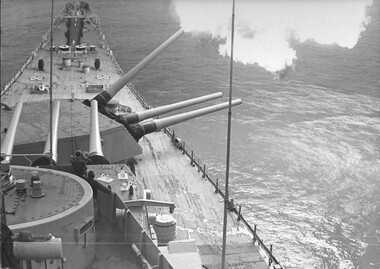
239	214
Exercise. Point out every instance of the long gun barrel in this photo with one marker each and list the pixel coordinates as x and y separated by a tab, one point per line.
135	117
53	134
95	148
142	129
112	90
9	140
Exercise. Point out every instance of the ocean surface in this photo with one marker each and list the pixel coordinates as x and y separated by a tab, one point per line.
305	162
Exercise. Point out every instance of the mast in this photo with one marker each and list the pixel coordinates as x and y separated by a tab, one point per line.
226	194
51	81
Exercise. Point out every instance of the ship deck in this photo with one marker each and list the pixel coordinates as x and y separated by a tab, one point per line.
161	167
199	211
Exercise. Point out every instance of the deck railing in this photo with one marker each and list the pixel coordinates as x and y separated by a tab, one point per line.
232	205
42	44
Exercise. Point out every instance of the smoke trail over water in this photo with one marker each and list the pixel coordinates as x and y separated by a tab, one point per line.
263	29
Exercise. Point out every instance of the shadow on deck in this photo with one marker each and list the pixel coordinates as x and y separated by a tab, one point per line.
111	252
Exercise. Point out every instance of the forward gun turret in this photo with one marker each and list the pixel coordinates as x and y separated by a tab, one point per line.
132	120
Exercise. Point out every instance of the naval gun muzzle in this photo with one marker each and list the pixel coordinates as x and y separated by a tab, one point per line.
135	117
138	130
9	139
95	151
105	96
53	134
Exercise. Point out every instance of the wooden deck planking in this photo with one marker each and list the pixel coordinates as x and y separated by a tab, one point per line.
199	212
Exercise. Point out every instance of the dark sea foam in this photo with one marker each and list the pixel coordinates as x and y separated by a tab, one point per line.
305	149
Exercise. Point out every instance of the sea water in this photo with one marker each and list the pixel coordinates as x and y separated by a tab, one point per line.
305	149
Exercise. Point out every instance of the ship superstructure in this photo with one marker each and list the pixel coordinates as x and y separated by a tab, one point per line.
153	208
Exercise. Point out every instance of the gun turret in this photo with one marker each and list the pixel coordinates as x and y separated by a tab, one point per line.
135	117
112	90
95	148
9	140
53	134
138	130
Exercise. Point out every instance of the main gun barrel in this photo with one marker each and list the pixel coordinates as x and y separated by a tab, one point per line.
135	117
112	90
165	122
53	134
95	147
95	151
141	129
9	140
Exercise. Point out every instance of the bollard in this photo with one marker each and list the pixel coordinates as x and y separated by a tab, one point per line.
192	158
217	185
173	136
204	171
34	178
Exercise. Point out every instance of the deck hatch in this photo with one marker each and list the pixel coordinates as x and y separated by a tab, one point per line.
95	88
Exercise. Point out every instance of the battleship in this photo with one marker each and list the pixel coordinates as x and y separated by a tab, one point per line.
93	177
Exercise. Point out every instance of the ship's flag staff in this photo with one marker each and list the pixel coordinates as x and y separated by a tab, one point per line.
226	194
51	81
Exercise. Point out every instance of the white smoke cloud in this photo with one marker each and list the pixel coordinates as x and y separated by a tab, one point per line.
263	28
